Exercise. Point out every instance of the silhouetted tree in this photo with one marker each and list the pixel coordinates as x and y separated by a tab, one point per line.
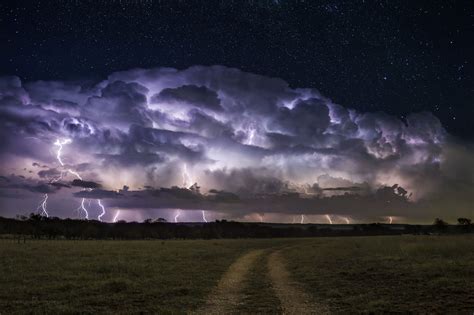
195	188
464	221
440	225
40	227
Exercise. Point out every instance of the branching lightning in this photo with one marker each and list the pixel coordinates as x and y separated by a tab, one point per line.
204	216
60	143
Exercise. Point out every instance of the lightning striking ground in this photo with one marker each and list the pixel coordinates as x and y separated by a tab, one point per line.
60	144
329	218
103	210
84	209
178	213
187	182
117	213
204	216
42	207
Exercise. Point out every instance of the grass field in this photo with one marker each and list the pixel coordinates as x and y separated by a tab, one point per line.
419	274
427	274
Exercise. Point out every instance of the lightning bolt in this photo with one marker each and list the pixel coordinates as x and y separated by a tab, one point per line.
42	207
83	208
75	174
103	210
390	220
346	219
302	219
204	216
178	213
187	180
60	143
251	136
34	138
329	218
114	220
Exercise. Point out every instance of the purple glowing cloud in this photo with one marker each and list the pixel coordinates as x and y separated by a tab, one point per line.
262	145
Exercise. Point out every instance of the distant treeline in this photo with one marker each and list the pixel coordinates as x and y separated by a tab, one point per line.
39	227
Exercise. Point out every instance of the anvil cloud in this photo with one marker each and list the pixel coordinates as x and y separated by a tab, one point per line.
253	144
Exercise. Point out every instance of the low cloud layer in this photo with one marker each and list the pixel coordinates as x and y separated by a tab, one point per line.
251	143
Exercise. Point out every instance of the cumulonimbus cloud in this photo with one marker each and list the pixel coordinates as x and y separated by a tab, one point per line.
236	133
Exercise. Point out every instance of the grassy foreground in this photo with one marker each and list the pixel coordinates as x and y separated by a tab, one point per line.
421	274
113	276
387	274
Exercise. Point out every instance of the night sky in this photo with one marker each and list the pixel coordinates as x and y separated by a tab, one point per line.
275	111
392	56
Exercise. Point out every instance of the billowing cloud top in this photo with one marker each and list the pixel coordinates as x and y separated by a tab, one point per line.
251	143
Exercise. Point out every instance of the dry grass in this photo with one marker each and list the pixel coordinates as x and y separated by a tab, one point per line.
417	274
420	274
113	276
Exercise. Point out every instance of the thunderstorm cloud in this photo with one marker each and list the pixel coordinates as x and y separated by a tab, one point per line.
225	141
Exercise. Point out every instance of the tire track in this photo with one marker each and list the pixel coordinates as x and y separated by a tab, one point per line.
226	296
293	299
258	296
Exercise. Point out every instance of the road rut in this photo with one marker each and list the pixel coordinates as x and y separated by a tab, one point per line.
225	298
292	298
